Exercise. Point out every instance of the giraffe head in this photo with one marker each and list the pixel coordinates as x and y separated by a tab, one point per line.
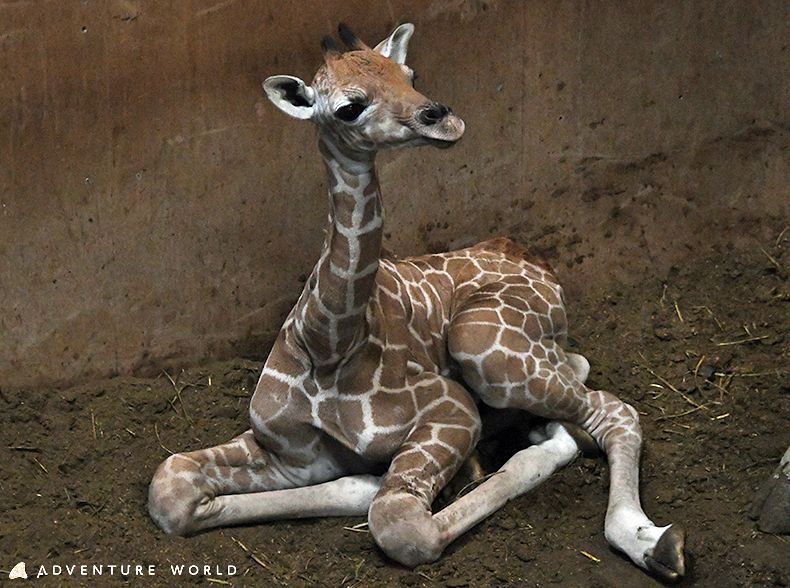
364	99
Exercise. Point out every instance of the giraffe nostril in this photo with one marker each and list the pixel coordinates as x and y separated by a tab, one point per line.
433	113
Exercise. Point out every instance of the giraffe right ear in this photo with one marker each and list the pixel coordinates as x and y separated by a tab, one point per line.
291	95
396	45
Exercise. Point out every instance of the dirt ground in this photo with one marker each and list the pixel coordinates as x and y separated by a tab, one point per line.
702	355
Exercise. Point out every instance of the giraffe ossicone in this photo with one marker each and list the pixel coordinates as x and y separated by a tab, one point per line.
368	401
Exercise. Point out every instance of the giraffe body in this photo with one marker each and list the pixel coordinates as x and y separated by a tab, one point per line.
368	402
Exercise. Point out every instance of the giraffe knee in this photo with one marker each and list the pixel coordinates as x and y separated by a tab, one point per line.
404	529
174	495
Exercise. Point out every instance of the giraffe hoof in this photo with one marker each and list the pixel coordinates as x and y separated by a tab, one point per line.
667	561
584	440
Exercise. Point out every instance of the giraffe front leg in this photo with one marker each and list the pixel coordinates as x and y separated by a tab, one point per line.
400	516
239	482
521	473
407	531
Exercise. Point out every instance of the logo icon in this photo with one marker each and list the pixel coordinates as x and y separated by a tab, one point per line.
18	571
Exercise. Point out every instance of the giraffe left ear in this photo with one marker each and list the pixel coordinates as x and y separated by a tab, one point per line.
291	95
396	45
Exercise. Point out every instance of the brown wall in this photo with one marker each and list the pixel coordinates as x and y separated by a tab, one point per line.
155	208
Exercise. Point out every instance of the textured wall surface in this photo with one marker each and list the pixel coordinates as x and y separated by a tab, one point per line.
156	209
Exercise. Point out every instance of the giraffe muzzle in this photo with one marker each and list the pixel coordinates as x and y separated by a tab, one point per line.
439	125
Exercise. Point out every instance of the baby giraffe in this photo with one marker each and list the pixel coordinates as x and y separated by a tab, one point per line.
368	402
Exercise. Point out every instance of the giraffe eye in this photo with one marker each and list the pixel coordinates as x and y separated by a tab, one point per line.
350	112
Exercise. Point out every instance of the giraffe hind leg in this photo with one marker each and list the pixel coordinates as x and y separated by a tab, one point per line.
509	365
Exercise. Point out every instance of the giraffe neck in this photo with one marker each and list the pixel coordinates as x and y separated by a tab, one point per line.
333	313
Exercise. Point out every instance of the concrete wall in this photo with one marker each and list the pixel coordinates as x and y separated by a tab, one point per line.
156	209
